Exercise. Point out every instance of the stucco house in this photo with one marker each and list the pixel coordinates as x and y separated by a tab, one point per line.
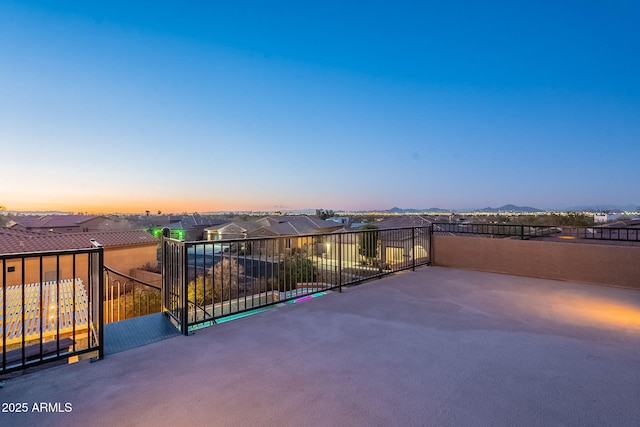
397	247
182	227
294	230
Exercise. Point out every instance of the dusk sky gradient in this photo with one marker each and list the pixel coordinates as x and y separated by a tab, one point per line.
124	106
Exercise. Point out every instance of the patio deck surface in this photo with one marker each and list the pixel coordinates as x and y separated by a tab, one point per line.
436	347
131	333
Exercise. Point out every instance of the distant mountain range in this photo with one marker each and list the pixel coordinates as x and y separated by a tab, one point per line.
600	208
518	209
406	211
505	208
510	208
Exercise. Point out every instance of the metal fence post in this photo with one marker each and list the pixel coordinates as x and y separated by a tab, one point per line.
184	270
413	249
98	274
164	257
430	253
340	261
4	310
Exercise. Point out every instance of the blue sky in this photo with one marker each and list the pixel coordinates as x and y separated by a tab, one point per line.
202	106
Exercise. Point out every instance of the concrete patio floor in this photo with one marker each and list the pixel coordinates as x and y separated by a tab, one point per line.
436	347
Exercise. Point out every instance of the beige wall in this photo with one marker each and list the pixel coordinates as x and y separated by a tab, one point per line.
578	262
64	263
123	259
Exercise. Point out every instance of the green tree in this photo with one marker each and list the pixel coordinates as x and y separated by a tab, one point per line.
324	214
368	241
296	269
554	219
220	283
576	219
4	218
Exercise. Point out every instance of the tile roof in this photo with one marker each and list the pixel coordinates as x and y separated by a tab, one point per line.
279	225
53	221
191	221
623	223
298	224
182	222
234	226
15	241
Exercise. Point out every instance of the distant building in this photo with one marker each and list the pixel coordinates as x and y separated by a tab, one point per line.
62	223
395	250
625	223
289	227
600	218
344	220
182	227
293	225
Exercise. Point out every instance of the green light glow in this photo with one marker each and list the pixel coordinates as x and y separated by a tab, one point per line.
241	315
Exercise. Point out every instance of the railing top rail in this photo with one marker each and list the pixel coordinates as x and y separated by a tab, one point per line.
172	240
615	234
50	253
597	227
294	236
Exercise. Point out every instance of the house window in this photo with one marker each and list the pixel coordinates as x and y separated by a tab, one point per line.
287	243
11	269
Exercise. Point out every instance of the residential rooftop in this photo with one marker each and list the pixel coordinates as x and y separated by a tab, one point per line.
16	241
54	221
283	225
435	346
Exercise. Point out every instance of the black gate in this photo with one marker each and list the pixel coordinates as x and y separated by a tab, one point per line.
51	306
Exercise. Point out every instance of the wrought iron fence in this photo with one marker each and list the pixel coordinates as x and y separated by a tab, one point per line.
526	232
127	297
208	280
51	306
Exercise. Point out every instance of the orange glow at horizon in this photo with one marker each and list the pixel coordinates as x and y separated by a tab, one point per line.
100	198
106	205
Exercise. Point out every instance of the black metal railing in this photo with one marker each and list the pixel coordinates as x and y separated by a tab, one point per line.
127	297
525	232
208	280
51	306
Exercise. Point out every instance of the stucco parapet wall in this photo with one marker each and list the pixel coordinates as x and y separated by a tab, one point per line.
601	264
